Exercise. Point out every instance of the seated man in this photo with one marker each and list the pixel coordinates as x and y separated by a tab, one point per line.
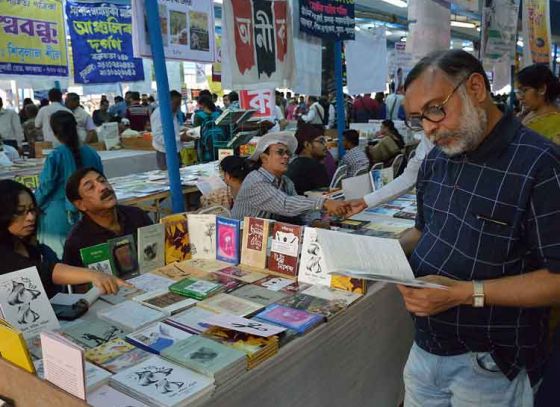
355	157
306	171
268	193
103	218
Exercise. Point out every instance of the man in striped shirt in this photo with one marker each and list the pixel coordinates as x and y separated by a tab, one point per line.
268	193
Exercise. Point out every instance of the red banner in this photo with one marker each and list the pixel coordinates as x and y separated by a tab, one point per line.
260	100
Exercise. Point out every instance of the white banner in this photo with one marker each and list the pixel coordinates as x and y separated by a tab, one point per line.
428	28
371	76
257	48
499	27
187	29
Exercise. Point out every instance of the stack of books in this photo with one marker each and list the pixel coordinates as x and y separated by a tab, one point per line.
192	319
158	382
131	316
196	288
257	348
297	320
157	337
207	357
229	304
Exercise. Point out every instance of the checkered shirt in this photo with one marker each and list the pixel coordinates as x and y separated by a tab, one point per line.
355	159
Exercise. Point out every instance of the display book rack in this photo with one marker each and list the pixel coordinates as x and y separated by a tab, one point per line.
232	120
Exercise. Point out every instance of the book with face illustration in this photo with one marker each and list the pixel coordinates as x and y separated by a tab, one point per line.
151	247
24	303
123	253
162	383
228	240
177	244
202	233
284	251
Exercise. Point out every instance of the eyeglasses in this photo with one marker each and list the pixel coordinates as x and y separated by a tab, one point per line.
320	140
21	213
282	152
434	113
522	90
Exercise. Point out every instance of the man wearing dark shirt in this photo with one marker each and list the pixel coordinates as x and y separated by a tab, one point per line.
102	218
487	227
306	171
138	115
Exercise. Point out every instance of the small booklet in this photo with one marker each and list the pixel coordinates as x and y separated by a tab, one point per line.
63	363
284	251
13	347
255	240
195	288
130	315
244	325
123	253
177	246
157	337
298	320
150	282
165	301
151	247
228	237
202	235
227	303
98	258
106	396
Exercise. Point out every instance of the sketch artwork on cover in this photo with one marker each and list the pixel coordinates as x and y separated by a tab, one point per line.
203	355
22	296
157	377
111	333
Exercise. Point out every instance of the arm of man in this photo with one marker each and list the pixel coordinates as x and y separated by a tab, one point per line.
91	136
309	117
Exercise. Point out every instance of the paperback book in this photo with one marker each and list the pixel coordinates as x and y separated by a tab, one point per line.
202	235
124	294
159	382
13	347
244	273
332	294
24	303
157	337
96	377
94	333
230	283
123	253
284	250
131	316
177	246
193	319
98	258
298	320
314	305
255	240
227	239
259	295
151	247
126	360
108	351
196	288
165	301
227	303
151	282
106	396
275	283
201	265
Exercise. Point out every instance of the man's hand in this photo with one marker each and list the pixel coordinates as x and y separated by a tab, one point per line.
357	205
107	284
425	302
338	208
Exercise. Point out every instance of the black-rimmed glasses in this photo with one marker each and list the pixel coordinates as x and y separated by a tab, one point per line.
434	113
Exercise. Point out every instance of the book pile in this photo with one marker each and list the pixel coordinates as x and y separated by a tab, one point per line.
196	288
207	357
229	304
192	319
157	337
131	316
158	382
165	301
257	348
297	320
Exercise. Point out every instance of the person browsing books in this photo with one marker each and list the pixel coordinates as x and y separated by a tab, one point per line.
102	219
19	249
487	228
268	193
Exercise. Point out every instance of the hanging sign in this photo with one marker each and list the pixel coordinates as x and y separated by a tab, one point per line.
101	37
187	29
262	101
536	31
328	19
499	28
32	38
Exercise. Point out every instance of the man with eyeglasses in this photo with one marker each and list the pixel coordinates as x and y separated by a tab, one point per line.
268	193
487	227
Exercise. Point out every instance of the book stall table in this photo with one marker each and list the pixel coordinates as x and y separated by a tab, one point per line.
355	359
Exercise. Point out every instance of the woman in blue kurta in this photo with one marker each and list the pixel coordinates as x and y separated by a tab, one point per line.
58	213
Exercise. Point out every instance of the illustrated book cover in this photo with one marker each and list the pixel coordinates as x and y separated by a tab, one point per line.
284	251
202	234
255	240
151	247
157	337
123	253
98	258
228	239
177	245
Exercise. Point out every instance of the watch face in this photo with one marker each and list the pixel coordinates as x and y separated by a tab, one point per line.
478	302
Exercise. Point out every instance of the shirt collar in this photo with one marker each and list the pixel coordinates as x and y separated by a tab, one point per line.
93	227
270	177
498	140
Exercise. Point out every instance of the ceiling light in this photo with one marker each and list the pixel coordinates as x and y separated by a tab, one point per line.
397	3
462	24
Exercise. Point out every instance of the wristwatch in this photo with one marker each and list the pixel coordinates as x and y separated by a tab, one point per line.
478	294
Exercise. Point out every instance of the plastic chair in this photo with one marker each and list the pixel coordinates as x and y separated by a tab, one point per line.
411	154
361	170
340	173
397	165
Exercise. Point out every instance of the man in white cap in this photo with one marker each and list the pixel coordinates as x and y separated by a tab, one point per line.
268	193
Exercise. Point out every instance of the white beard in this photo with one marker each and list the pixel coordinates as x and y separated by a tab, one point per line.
470	133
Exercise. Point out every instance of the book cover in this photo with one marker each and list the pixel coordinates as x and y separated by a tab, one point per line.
246	274
151	247
312	266
150	282
13	347
123	253
157	337
332	294
195	288
126	360
203	355
106	396
95	376
165	301
249	326
285	248
195	266
130	315
255	239
230	283
124	294
173	272
177	246
292	318
202	234
230	304
163	383
260	295
244	342
192	319
314	305
108	351
24	303
98	258
91	334
227	240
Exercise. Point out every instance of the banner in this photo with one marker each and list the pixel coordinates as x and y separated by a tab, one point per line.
187	29
257	49
536	32
328	19
428	27
32	45
499	28
399	64
101	37
263	101
371	77
217	66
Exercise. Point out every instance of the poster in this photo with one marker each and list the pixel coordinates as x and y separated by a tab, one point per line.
101	36
536	32
217	66
399	64
499	27
263	101
372	77
257	50
428	28
328	19
187	29
32	38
